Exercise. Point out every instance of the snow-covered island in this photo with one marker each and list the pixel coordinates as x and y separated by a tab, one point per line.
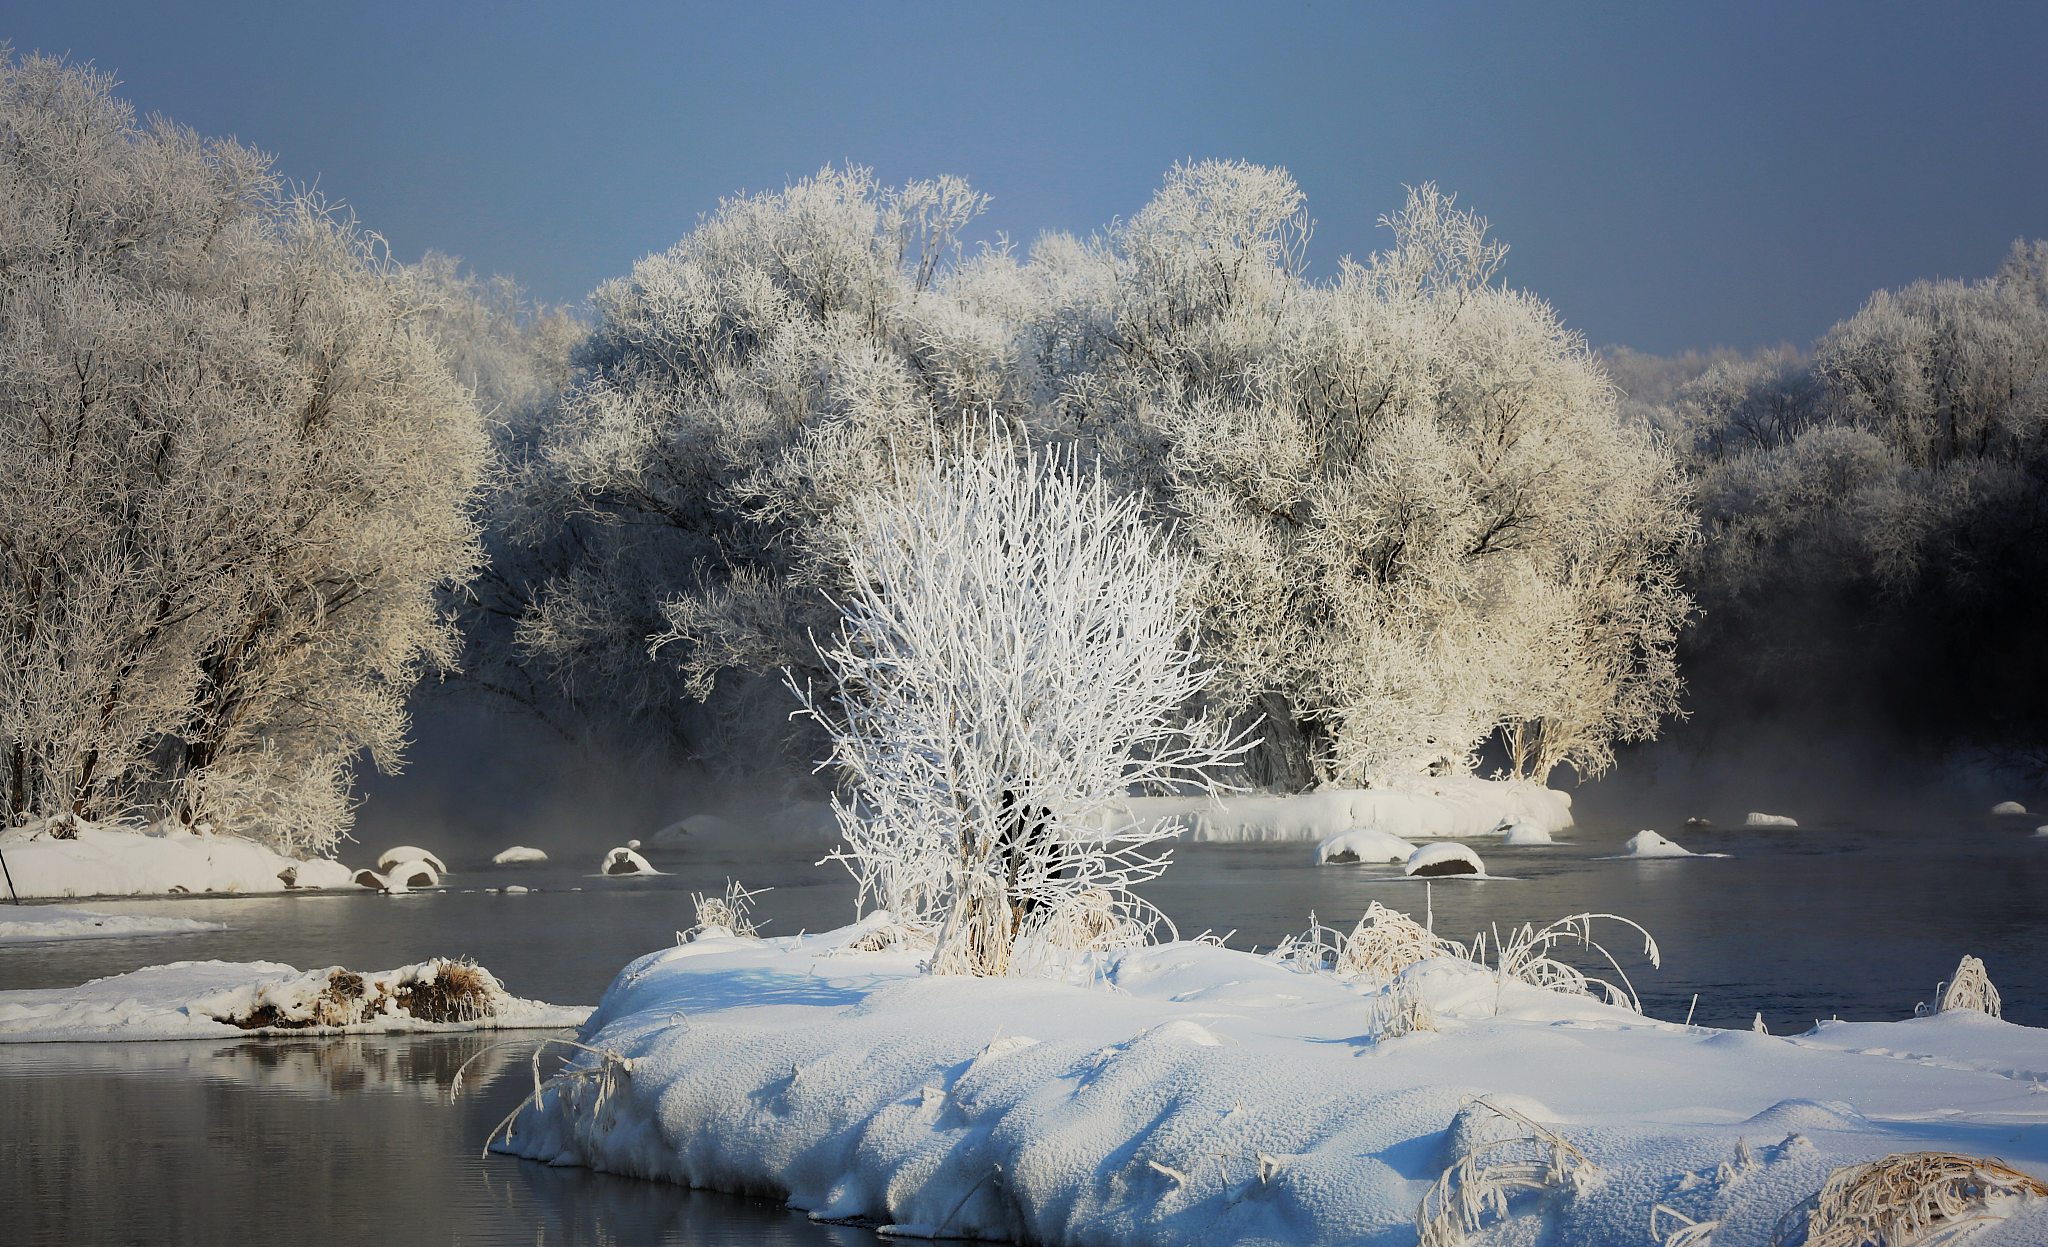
216	999
1200	1094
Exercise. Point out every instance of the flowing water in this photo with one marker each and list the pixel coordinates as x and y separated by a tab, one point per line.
356	1140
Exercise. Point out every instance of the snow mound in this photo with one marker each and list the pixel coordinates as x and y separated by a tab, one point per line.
2042	830
1648	843
2008	807
405	853
213	999
518	853
1444	858
22	924
1362	845
1415	808
1754	819
1525	835
696	828
92	859
872	1092
624	861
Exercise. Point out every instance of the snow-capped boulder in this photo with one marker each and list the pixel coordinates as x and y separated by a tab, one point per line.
1526	835
1443	858
2008	807
382	883
1769	820
409	853
414	874
1363	845
1698	823
625	861
1648	843
518	853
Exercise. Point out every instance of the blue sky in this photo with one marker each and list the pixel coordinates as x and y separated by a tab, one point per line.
1667	175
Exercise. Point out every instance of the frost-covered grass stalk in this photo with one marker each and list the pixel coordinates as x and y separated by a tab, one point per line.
1479	1184
1012	658
1970	989
729	911
1384	943
1525	954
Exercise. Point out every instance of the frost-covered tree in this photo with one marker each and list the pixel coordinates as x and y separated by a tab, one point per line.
1012	657
1866	508
237	469
734	393
1418	517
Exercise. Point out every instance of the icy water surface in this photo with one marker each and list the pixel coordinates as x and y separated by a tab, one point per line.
206	1142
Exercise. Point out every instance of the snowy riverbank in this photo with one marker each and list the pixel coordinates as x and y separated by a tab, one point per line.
1202	1095
217	999
94	860
1450	807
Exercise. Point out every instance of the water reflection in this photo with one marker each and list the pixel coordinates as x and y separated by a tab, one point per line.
352	1140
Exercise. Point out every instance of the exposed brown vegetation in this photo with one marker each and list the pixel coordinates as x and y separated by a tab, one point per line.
1906	1198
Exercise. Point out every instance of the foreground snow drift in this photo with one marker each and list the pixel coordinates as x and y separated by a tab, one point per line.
209	999
20	924
84	859
1446	808
1209	1096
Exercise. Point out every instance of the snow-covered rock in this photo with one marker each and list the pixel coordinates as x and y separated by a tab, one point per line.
2008	807
1363	845
625	861
409	853
1210	1096
518	853
1647	843
1444	858
1755	819
22	924
105	860
215	999
414	874
1526	835
1416	808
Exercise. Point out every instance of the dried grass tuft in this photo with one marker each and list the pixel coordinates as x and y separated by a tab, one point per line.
1479	1184
1383	944
1909	1199
730	910
1672	1228
1969	990
1526	955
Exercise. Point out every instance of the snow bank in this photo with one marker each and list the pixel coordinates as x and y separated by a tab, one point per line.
2008	807
105	861
518	853
1449	808
1755	819
1214	1097
22	924
1362	845
211	999
1444	858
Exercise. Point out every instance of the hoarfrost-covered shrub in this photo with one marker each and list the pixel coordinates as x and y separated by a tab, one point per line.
1012	657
